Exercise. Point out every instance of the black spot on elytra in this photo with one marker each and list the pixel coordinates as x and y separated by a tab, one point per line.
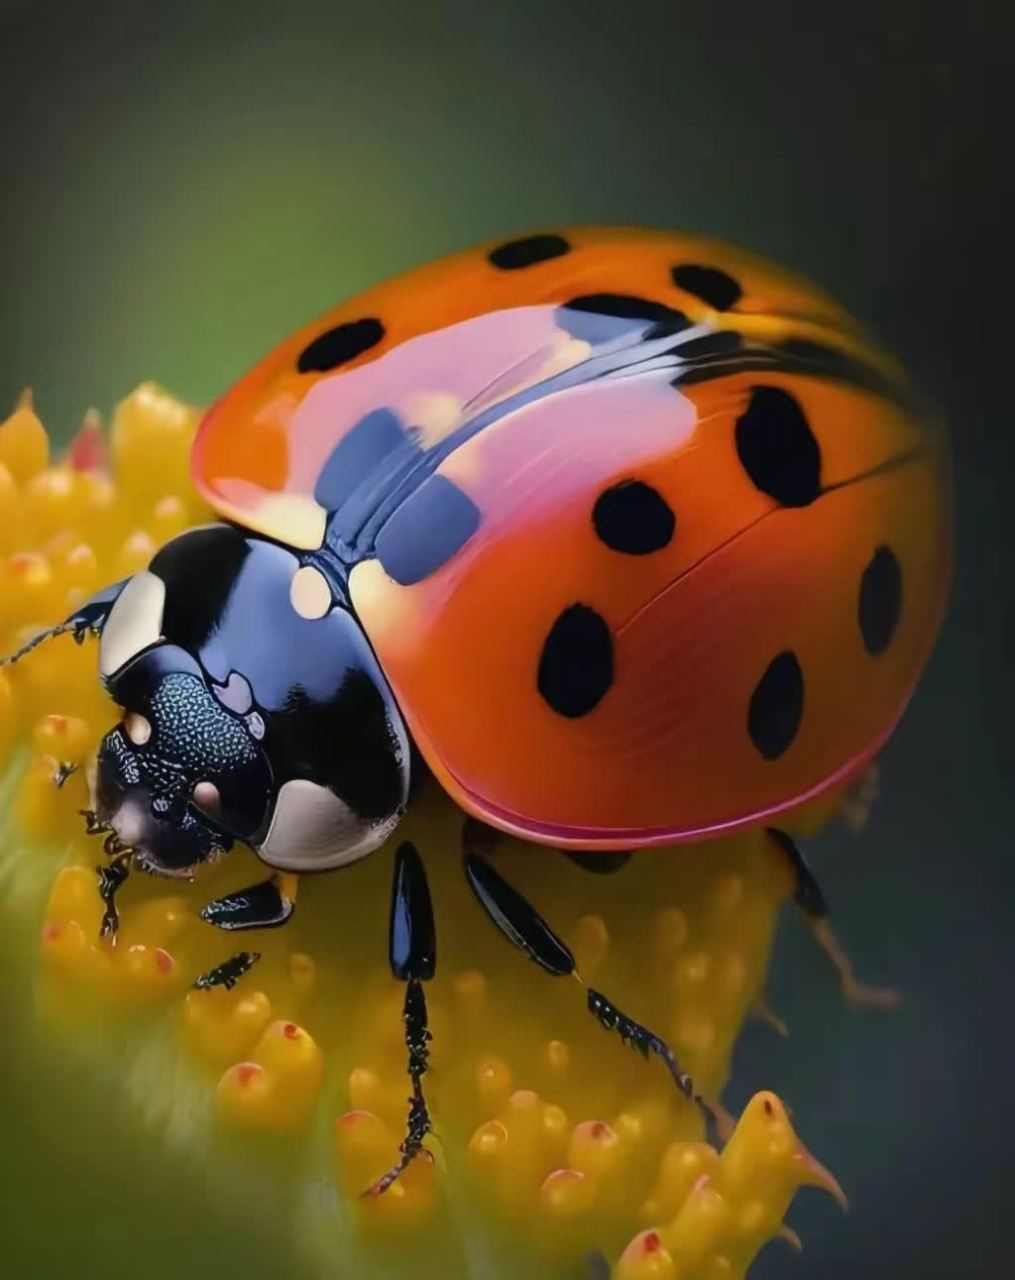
576	665
529	251
338	346
634	518
880	603
712	286
776	706
434	522
777	448
602	317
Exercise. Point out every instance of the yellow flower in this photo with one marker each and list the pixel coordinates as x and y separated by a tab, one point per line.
554	1143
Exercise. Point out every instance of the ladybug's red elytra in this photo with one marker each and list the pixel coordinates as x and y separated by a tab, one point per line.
631	537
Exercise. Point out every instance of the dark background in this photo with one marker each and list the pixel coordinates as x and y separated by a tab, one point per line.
182	185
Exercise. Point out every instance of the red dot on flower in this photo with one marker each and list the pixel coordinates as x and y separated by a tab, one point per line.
290	1030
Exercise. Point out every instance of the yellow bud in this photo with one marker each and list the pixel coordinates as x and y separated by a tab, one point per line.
31	592
144	974
24	445
168	518
73	955
63	737
150	441
53	501
646	1258
221	1026
75	897
566	1193
593	1148
135	554
590	941
365	1148
281	1094
11	513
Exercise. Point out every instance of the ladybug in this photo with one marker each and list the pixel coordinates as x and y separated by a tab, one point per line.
628	537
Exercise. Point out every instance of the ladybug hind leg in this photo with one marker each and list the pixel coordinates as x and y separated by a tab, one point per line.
522	924
810	898
860	798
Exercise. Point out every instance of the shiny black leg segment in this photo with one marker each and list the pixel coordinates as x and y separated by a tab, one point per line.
519	921
807	895
112	876
516	918
412	951
412	938
645	1041
229	972
600	864
262	906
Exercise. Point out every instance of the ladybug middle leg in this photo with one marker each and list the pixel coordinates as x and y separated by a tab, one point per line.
810	898
522	924
412	953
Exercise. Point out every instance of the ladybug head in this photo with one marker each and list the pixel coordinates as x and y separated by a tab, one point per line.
180	777
243	718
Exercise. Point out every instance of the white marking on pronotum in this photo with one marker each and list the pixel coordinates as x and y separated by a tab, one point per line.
309	592
134	622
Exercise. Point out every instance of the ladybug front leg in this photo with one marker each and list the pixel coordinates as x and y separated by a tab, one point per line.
521	924
267	905
87	619
811	901
412	951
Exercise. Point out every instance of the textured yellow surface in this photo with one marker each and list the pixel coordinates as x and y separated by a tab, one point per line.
553	1140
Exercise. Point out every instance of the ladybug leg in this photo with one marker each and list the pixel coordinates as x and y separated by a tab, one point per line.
412	951
811	901
521	924
87	619
229	972
263	906
600	864
860	799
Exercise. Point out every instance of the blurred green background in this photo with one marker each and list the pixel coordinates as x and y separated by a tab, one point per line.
185	183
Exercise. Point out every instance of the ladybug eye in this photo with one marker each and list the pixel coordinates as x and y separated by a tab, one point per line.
137	728
206	796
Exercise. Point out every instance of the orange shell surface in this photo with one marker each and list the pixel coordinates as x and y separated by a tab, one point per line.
669	749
